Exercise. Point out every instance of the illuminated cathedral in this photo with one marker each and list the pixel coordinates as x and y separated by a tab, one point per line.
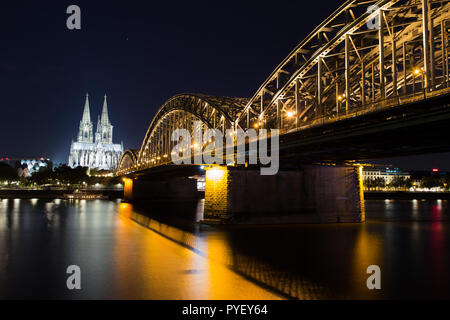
96	152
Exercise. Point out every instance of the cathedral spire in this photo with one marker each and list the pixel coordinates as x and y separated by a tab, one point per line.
85	132
86	113
105	117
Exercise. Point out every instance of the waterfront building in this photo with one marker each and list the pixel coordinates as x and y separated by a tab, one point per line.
385	173
95	151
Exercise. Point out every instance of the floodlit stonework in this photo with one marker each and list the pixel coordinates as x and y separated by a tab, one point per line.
99	151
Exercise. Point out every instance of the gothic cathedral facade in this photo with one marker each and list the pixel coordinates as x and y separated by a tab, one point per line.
95	151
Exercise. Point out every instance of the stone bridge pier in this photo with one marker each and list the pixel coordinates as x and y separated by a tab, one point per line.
161	190
310	194
313	193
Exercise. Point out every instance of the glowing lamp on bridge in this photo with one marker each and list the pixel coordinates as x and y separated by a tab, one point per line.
290	114
417	71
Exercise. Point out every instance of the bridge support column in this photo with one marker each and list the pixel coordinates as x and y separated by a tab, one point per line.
127	189
314	193
163	190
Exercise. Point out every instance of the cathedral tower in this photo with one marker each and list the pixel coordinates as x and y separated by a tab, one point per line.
104	131
85	133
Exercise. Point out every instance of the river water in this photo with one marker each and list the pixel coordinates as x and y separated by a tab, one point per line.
129	253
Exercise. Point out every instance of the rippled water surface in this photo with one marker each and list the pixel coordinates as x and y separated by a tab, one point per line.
130	253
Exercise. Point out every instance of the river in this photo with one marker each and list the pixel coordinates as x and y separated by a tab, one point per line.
129	253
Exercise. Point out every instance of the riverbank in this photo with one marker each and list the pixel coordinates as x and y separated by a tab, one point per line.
405	195
54	193
118	194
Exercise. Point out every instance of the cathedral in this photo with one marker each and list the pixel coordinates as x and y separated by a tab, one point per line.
96	152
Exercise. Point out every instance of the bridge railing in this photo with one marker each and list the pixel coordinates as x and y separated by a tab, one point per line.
379	105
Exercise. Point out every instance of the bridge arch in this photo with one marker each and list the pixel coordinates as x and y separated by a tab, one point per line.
211	110
181	111
347	64
128	161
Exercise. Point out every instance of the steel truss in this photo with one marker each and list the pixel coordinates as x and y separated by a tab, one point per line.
356	61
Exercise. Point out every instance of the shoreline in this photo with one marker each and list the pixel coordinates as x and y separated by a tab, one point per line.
118	194
54	194
405	195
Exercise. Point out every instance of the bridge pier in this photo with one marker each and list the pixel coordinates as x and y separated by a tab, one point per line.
314	193
163	190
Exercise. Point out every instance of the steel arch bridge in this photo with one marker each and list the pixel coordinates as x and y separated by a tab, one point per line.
366	56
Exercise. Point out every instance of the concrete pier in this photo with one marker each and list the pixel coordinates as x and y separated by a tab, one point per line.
314	193
170	189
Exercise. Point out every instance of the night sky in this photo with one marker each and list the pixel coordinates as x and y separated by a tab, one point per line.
139	54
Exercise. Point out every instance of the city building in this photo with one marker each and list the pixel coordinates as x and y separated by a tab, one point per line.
95	151
385	173
27	166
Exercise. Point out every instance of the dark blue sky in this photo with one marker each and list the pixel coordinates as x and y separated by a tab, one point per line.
139	54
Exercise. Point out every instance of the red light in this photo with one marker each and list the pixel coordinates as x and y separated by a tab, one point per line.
435	170
6	159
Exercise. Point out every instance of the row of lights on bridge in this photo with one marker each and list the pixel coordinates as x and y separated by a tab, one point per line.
289	114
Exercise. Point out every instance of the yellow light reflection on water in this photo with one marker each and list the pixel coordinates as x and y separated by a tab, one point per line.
367	251
170	263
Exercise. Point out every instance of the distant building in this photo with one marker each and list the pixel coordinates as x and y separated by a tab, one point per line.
387	174
99	151
26	167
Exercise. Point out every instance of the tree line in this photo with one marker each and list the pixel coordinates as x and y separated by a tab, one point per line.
60	175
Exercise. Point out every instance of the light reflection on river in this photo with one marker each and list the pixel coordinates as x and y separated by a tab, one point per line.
127	253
